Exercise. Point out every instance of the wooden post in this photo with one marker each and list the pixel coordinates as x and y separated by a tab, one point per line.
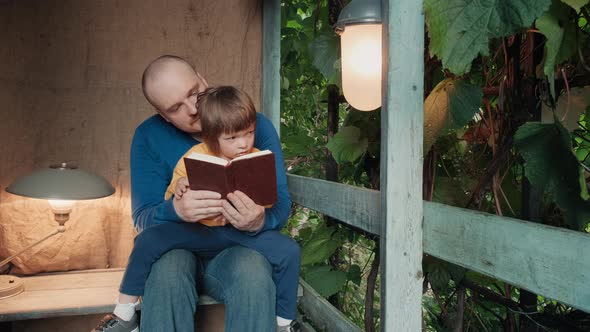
334	8
401	165
271	61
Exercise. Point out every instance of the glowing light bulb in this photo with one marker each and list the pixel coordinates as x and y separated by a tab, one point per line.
61	206
361	66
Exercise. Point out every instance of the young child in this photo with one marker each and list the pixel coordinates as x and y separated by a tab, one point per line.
228	120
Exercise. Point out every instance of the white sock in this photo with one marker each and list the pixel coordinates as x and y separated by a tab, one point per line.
283	321
125	311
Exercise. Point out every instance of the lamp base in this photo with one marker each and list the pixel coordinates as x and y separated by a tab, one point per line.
10	286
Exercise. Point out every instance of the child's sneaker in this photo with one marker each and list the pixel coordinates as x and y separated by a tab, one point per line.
112	323
293	327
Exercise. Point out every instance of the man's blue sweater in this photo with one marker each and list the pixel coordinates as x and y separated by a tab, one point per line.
156	148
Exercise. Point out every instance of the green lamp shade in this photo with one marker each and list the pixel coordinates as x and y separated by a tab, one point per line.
359	12
62	182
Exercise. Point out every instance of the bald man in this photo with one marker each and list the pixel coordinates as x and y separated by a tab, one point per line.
239	277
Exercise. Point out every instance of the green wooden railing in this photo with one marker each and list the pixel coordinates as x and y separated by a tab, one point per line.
543	259
546	260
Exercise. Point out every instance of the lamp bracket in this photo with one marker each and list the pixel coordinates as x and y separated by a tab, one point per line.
61	218
64	166
59	229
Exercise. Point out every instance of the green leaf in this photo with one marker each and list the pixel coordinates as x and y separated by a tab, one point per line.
552	168
323	231
324	53
513	192
308	27
318	251
305	233
320	246
324	280
369	121
560	32
464	102
354	274
459	30
576	4
452	192
298	145
441	272
285	83
582	154
438	276
457	272
479	278
347	145
451	104
293	24
584	188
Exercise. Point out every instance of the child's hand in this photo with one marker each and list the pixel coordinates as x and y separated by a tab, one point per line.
181	187
220	219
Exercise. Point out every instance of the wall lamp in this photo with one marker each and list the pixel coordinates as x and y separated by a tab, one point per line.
62	185
359	26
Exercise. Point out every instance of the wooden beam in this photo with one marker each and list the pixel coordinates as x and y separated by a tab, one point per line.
540	258
543	259
271	61
323	314
358	207
402	122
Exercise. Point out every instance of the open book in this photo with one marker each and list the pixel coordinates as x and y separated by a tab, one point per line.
253	174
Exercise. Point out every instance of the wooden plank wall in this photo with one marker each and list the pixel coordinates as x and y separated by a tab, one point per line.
70	89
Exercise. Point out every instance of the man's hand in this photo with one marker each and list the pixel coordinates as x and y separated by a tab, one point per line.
195	205
244	215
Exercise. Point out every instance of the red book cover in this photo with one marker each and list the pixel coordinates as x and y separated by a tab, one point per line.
253	174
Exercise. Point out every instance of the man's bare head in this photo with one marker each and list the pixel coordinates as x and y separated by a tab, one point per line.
158	69
171	85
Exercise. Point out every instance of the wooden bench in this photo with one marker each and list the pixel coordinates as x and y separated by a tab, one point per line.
75	301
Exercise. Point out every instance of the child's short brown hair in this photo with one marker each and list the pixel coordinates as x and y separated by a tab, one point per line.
224	110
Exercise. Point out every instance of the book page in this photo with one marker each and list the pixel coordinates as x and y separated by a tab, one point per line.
208	158
252	155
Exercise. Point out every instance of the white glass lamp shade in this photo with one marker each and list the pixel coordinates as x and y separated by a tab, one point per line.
61	206
361	65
